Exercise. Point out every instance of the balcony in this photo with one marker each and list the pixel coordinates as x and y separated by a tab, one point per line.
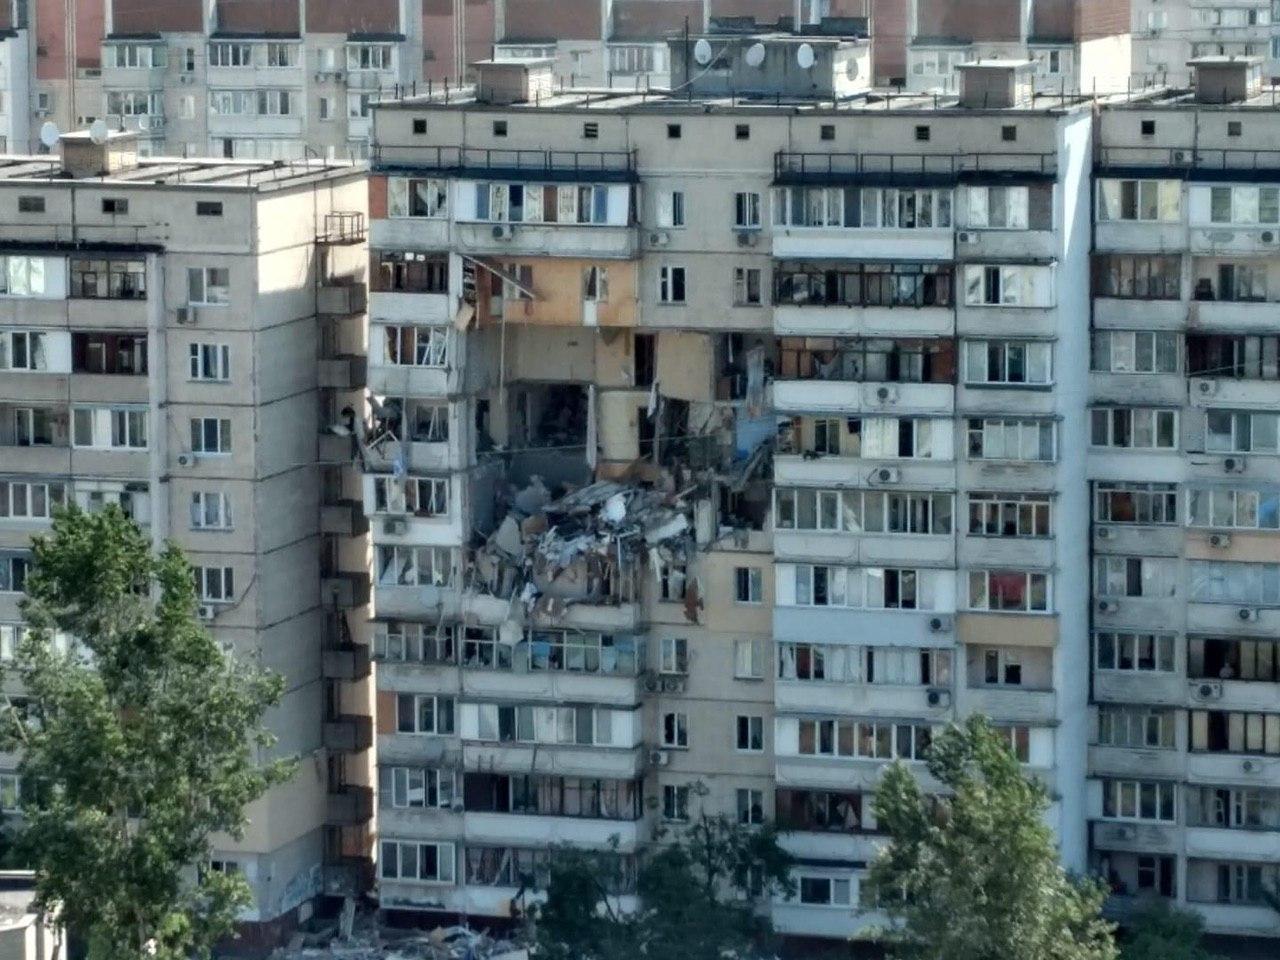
515	829
833	471
1233	768
623	617
1225	619
393	306
1163	540
1135	837
1126	312
342	373
344	518
819	320
832	922
1005	703
849	398
412	381
347	876
865	549
553	686
594	241
349	733
1129	686
1136	762
1008	629
346	663
349	806
871	700
1221	843
911	627
1138	613
1230	239
341	299
335	449
1231	316
1233	392
344	590
617	763
1006	552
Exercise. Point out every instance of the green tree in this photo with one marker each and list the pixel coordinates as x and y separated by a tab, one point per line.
973	874
1161	932
697	892
137	743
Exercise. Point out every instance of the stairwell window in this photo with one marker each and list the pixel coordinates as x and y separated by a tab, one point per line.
1015	285
416	346
210	510
671	285
675	803
750	734
210	362
1145	577
1244	205
208	286
675	730
23	276
674	655
214	584
210	435
23	350
13	572
746	211
408	566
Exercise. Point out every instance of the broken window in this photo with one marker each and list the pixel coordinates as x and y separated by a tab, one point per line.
411	272
111	353
818	810
420	496
416	346
644	358
109	279
415	787
413	861
399	641
595	284
672	580
422	713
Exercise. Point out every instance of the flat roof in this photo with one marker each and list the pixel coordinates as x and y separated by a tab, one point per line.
258	175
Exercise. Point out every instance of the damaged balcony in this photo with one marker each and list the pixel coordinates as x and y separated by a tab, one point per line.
348	806
853	376
344	590
419	435
837	298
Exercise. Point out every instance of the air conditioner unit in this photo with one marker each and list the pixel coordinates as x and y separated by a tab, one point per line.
503	231
206	611
938	698
886	394
394	526
1206	388
1251	766
652	684
747	238
941	624
186	459
1247	615
457	806
1220	540
659	238
185	315
672	684
966	236
1233	465
1207	690
1108	606
1105	533
659	758
1268	236
886	475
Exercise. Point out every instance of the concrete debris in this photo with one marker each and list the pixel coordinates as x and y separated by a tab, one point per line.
370	941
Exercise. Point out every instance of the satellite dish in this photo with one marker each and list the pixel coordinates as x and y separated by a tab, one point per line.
98	131
702	51
144	122
755	55
50	134
804	56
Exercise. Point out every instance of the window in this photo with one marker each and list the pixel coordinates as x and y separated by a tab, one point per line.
746	211
115	205
1008	133
1001	667
33	427
282	55
122	354
1235	508
411	272
922	133
1243	357
370	56
750	806
10	793
1133	651
1145	503
109	428
419	496
1138	727
1007	362
407	566
210	435
416	346
675	803
208	208
1239	432
671	284
1235	582
675	730
29	204
416	862
1009	591
499	128
210	510
891	208
1138	277
415	787
1018	739
1233	807
208	286
741	131
748	584
827	131
23	350
872	588
1148	577
1148	128
1234	128
674	655
673	131
417	198
1247	883
214	584
23	276
671	208
1141	428
275	103
825	891
591	131
1157	874
998	208
1147	800
1128	351
567	650
13	572
30	500
750	733
748	661
1233	731
399	641
1003	439
1008	286
864	739
1245	205
230	55
1155	201
108	279
1010	515
424	713
746	286
419	125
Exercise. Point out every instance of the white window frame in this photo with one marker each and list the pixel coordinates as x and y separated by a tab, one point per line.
445	857
208	286
210	510
221	436
215	584
209	362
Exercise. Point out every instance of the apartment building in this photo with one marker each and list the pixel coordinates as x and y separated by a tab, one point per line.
1076	45
719	455
1184	788
174	335
1167	35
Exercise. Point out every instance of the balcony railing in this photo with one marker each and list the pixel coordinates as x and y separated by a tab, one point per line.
608	165
862	285
1188	158
796	167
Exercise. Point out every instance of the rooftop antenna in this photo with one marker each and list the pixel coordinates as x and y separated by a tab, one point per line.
98	131
49	134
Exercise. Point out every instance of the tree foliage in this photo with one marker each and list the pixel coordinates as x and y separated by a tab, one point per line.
137	743
697	892
1162	932
974	874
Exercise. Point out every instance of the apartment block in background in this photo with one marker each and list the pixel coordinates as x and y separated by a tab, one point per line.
709	485
1184	464
173	337
1076	46
1167	35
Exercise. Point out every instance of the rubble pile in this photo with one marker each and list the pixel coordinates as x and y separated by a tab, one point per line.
588	545
374	942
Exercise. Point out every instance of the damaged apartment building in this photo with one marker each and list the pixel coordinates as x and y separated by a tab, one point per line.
716	458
